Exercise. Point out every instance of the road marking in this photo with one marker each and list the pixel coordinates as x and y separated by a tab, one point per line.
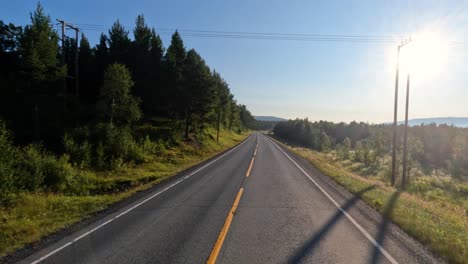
222	235
250	167
131	208
255	153
350	218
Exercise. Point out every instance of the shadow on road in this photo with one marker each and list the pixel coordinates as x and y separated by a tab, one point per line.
309	246
384	225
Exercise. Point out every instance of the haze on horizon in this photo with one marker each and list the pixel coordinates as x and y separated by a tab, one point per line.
335	81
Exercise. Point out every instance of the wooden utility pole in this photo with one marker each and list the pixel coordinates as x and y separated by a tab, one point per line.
404	179
63	39
64	88
77	30
395	125
77	88
395	117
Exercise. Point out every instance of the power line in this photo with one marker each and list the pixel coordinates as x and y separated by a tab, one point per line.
277	36
94	26
259	35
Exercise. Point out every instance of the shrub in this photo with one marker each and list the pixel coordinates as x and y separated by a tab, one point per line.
100	160
151	147
61	176
80	152
30	167
8	156
116	146
39	170
136	153
117	142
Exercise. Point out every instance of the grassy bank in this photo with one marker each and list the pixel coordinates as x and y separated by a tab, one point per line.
440	222
38	214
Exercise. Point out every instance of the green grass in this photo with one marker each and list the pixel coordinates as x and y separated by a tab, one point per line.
35	215
440	224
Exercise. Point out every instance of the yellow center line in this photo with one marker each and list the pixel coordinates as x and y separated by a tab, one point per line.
219	243
250	167
222	235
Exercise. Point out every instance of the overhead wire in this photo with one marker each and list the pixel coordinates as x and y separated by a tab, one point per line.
275	36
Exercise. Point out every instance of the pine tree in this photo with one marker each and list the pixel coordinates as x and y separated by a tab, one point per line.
42	71
10	61
119	43
174	64
86	64
156	47
102	60
223	95
157	75
197	97
142	34
85	52
39	48
141	65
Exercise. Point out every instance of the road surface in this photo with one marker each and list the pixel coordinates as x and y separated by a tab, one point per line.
257	203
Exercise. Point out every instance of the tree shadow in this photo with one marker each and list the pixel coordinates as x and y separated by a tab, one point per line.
383	227
314	241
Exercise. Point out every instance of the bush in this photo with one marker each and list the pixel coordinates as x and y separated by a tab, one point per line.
80	152
136	153
116	147
108	146
100	160
60	176
30	167
151	147
39	170
8	156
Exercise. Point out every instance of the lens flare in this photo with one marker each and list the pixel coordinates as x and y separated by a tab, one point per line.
425	56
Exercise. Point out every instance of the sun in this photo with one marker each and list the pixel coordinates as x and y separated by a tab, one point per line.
425	56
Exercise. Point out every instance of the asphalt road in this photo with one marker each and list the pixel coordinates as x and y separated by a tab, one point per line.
284	211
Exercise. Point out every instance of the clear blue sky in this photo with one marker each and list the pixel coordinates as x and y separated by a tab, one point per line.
330	81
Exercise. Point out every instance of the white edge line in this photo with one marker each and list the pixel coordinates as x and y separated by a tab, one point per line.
350	218
131	208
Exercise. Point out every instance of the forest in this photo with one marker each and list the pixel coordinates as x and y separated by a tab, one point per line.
439	150
431	205
128	97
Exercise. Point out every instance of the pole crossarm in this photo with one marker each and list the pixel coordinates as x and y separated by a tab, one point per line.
71	26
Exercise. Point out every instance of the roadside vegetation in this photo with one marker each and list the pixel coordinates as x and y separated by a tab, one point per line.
434	206
33	214
139	114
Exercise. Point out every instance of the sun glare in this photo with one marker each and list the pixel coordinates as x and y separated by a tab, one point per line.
425	55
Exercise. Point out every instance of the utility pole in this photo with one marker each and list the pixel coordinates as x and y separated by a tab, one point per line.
77	30
404	179
395	120
395	116
63	39
64	89
77	88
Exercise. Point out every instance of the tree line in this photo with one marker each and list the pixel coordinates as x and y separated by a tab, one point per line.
132	94
40	101
433	149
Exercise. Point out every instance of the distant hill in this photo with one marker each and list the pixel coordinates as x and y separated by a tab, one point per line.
269	118
456	121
